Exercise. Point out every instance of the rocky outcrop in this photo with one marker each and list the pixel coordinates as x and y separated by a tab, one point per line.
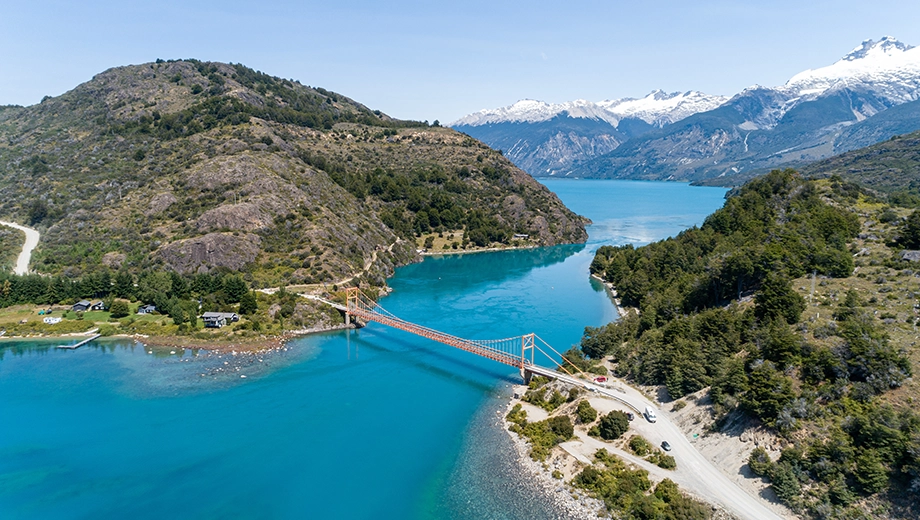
211	250
234	217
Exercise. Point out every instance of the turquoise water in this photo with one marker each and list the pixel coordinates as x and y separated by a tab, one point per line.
360	424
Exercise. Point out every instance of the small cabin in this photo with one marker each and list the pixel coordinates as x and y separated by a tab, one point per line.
216	320
219	319
82	306
146	309
97	305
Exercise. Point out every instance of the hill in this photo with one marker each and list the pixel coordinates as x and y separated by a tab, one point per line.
195	166
892	167
792	312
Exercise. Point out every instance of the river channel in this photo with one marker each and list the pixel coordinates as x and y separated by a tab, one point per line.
374	423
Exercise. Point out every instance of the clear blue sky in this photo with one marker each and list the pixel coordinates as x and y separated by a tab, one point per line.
441	60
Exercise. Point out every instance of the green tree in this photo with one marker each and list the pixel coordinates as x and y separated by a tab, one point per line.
870	474
119	309
786	484
178	314
191	312
562	426
236	288
768	391
38	210
639	445
760	462
248	303
124	285
777	299
910	231
780	344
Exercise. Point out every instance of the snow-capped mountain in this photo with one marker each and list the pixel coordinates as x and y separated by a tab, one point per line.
545	138
658	109
533	111
887	70
869	95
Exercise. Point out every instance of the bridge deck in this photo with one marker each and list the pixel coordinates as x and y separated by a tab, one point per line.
454	341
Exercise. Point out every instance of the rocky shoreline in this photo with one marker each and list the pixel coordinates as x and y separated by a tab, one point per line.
612	293
570	502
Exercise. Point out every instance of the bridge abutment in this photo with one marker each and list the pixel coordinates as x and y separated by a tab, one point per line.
526	375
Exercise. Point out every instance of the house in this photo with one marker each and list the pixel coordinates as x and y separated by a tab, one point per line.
82	306
521	236
51	320
146	309
97	306
216	320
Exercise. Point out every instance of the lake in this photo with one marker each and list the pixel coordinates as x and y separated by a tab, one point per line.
350	424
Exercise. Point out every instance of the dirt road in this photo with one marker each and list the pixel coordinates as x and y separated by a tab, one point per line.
32	237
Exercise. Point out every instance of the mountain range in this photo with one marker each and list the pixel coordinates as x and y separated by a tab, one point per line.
869	95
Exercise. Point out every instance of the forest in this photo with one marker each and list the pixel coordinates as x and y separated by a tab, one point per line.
715	307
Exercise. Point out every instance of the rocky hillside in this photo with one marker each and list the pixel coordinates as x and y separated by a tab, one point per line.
195	166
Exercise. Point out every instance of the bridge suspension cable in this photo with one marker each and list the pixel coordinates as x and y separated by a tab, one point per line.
517	351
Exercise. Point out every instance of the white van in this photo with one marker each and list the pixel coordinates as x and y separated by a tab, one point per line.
650	414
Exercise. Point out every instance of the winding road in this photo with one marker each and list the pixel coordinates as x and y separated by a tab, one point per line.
695	473
32	237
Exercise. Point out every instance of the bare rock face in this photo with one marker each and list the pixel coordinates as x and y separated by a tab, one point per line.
209	251
160	203
515	206
235	217
113	260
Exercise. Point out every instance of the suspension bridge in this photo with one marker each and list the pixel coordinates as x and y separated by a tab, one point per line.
517	351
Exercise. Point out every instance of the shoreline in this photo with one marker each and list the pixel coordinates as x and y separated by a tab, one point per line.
443	252
612	293
253	345
574	503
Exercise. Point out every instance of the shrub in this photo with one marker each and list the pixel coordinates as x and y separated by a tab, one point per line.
585	412
662	460
562	426
760	462
639	445
613	425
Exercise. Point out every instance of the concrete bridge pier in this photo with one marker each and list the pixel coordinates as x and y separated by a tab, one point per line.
526	375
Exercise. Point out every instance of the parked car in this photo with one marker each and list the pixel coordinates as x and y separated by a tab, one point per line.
630	416
665	445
